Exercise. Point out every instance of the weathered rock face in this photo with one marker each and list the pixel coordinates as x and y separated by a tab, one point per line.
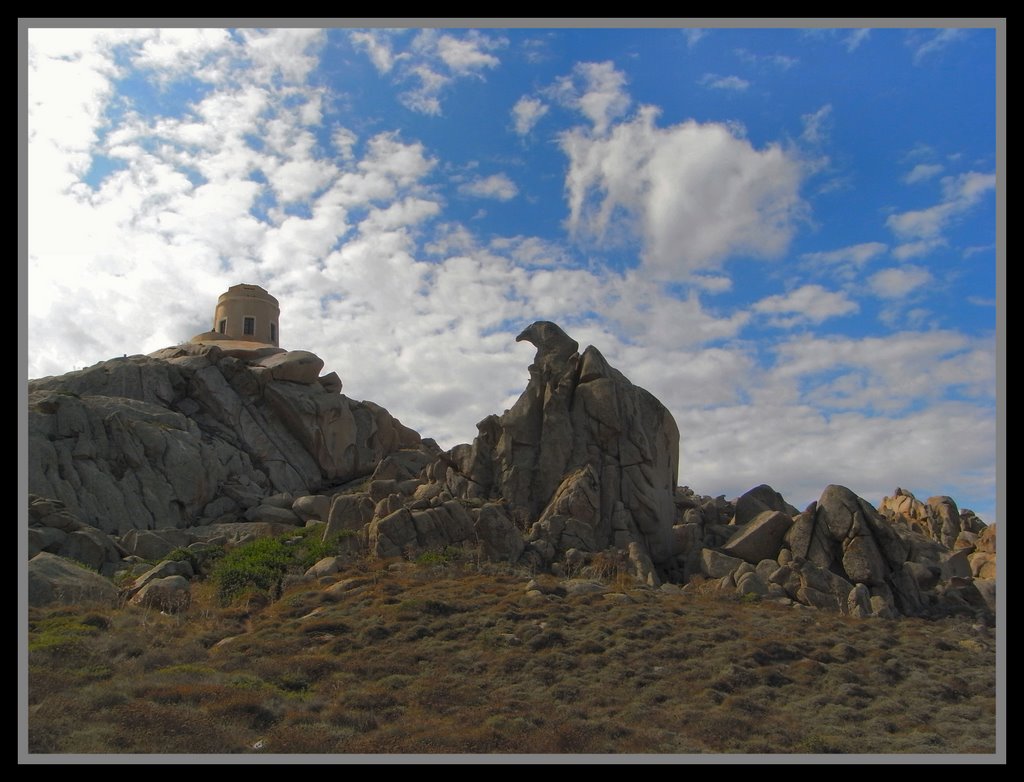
758	500
938	518
849	537
584	459
188	433
53	579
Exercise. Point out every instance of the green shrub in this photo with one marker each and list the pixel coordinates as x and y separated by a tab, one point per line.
260	565
445	556
184	555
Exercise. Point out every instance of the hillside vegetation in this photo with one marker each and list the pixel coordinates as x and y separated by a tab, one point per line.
448	653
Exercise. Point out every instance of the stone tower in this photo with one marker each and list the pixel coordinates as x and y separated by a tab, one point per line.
248	313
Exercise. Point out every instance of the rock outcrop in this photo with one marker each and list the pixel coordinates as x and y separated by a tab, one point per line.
843	555
198	432
938	518
217	443
54	579
584	459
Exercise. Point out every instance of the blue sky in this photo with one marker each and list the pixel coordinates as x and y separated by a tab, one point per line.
787	235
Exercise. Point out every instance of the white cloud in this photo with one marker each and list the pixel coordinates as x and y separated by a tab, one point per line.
527	112
466	56
714	81
921	172
960	194
433	61
712	283
783	61
297	180
897	282
497	186
377	44
856	38
693	35
694	193
407	212
389	157
937	42
815	125
902	252
595	89
424	98
289	52
806	304
855	254
799	451
974	250
343	140
190	212
174	52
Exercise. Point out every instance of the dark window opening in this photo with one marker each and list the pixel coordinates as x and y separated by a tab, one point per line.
249	326
222	326
273	332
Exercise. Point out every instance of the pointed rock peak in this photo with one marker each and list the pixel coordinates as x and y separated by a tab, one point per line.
551	342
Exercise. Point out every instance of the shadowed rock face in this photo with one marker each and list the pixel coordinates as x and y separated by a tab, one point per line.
158	441
584	459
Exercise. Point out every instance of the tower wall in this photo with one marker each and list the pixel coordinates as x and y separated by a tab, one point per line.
247	312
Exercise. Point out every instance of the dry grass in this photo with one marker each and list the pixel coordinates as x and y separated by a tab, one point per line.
456	658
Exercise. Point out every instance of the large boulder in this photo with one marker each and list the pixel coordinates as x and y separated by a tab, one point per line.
154	544
294	366
760	538
758	500
53	579
171	594
584	459
715	564
843	535
195	432
90	547
499	537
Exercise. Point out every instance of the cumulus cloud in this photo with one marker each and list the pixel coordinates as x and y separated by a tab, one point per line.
712	283
465	56
921	172
902	252
202	53
290	53
897	282
526	113
806	304
734	448
716	82
595	89
344	140
960	194
865	410
377	45
496	186
694	193
417	313
433	61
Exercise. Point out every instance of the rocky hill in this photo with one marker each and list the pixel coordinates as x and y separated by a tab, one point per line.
203	443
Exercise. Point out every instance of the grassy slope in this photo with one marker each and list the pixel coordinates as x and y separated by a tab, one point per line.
456	658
